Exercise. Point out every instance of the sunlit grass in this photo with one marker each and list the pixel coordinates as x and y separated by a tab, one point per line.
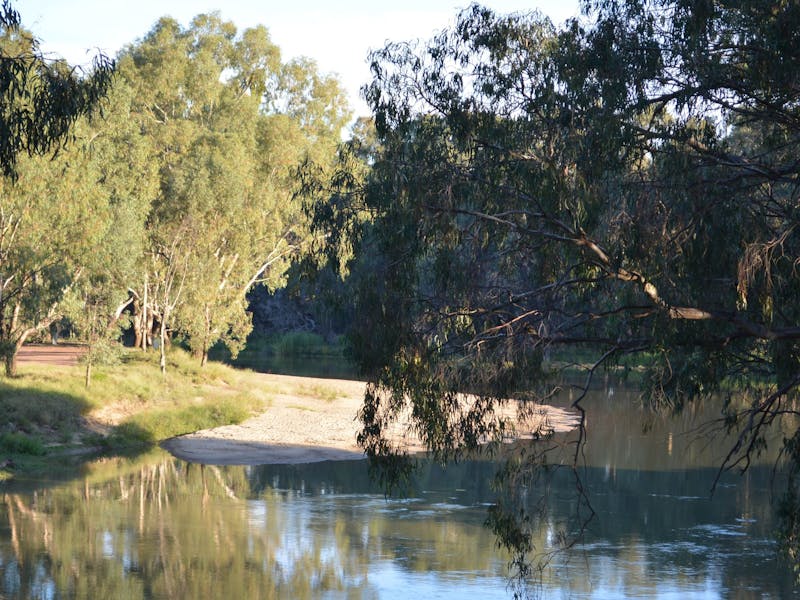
323	392
50	405
155	425
54	403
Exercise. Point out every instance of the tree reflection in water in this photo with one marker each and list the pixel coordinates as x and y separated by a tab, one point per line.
156	527
169	529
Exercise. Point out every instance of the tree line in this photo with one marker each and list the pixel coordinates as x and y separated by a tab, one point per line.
624	186
171	192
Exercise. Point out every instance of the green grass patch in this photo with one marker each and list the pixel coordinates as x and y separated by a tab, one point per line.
153	426
19	443
320	391
53	404
294	343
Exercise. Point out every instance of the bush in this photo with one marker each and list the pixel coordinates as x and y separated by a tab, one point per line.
19	443
304	343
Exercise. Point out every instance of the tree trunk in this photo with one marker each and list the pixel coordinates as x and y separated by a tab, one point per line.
144	315
163	347
206	337
11	363
137	332
88	380
11	354
147	339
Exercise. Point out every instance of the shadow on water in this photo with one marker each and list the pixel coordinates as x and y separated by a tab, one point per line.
153	526
326	367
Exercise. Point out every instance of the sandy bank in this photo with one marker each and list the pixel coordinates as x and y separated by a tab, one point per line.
309	420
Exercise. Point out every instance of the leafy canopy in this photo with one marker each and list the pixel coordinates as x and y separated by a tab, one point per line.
40	100
625	185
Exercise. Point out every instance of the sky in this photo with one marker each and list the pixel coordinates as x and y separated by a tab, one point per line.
338	35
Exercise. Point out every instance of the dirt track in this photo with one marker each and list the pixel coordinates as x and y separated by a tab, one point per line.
61	355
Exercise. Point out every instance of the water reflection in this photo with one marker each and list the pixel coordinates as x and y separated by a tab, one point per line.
168	529
327	367
155	527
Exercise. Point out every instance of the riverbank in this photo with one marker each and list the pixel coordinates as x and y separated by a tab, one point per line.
211	415
311	420
308	420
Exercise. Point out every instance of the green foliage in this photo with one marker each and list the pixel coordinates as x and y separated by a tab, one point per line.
625	185
104	352
19	443
58	213
156	425
41	99
173	202
304	343
226	122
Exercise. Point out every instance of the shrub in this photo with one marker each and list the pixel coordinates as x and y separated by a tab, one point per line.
304	343
19	443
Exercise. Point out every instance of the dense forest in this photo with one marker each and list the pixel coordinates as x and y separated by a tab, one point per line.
623	187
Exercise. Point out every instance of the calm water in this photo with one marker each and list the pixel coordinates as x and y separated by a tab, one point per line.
330	367
156	527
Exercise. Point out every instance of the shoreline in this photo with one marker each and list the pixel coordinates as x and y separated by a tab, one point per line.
300	419
298	428
308	420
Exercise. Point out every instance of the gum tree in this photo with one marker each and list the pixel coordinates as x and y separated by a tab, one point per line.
227	121
625	186
41	101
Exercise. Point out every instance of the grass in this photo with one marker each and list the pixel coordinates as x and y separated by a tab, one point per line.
47	410
52	403
152	426
299	407
302	343
19	443
576	360
41	407
292	344
324	392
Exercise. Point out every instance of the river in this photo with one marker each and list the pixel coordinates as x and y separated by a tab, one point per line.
155	527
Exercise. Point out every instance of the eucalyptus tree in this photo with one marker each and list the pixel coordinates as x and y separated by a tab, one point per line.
126	179
41	101
626	185
72	229
43	250
227	121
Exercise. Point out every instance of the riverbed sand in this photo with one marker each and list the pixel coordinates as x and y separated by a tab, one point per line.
309	420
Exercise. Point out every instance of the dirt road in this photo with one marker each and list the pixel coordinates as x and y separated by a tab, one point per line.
62	355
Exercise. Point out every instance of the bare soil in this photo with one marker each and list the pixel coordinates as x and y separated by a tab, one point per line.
60	355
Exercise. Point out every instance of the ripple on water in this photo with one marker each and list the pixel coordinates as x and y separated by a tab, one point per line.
716	530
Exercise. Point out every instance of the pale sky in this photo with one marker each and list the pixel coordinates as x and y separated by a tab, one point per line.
337	35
